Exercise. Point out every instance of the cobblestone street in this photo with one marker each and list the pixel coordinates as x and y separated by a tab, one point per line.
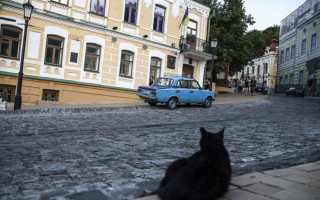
48	152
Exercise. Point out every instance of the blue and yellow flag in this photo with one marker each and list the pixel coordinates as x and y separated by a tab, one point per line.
185	19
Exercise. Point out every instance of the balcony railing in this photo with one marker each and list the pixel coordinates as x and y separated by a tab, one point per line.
191	42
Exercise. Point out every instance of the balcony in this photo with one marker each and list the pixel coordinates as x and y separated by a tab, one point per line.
195	48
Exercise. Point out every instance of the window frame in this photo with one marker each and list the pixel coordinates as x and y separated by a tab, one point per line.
293	51
130	12
287	56
159	16
97	7
282	56
303	46
313	42
54	51
155	67
11	39
92	56
126	64
49	92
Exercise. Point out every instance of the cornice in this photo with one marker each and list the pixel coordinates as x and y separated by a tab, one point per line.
69	21
200	8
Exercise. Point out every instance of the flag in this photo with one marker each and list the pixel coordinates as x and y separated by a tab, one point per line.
185	19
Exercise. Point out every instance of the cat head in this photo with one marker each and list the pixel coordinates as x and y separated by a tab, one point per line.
212	140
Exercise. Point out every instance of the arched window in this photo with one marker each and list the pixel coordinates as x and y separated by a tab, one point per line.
155	67
10	41
126	64
92	59
54	50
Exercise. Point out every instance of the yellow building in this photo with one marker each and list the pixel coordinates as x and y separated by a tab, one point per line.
84	51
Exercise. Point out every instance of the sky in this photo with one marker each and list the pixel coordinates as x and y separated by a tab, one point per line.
267	13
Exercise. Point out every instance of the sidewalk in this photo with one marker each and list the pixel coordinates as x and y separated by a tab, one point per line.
295	183
220	99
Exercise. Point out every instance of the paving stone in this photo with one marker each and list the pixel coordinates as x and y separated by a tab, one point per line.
247	179
115	146
308	167
262	189
241	194
298	179
283	172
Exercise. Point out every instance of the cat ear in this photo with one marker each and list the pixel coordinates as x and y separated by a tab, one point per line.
221	132
204	132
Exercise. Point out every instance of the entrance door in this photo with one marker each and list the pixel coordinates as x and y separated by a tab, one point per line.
187	71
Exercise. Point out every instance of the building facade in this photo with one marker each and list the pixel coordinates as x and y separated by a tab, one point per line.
85	51
299	50
263	69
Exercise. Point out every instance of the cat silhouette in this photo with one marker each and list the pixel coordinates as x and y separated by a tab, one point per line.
203	176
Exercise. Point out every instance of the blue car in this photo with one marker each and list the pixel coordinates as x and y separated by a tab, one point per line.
174	90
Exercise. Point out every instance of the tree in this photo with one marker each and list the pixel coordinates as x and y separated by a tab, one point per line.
229	26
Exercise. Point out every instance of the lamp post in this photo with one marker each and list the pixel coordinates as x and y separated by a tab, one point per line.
213	45
27	16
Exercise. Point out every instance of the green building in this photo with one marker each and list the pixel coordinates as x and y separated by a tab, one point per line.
299	50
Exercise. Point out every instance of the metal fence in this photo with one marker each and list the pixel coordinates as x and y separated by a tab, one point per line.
191	42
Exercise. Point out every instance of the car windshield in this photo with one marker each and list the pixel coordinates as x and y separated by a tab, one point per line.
166	82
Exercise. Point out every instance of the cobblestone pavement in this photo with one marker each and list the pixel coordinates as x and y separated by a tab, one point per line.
123	151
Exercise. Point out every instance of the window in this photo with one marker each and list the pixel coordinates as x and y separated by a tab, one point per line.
130	13
54	49
287	54
258	71
303	46
182	84
126	64
10	41
291	78
293	51
192	33
61	1
155	67
282	57
50	95
92	59
281	80
248	72
7	92
253	70
286	79
301	77
158	20
313	42
265	69
195	85
97	6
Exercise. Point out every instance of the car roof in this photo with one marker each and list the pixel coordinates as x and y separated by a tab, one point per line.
177	78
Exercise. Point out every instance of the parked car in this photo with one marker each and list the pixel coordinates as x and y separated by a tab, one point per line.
175	90
260	89
295	92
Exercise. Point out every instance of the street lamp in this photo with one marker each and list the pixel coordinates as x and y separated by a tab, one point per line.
213	44
27	16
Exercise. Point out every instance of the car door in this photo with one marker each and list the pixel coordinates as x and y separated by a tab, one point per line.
182	91
195	94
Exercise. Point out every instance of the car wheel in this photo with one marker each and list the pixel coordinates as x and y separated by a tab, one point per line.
172	103
152	103
188	104
287	94
207	103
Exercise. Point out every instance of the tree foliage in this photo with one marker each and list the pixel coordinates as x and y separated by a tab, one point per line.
236	47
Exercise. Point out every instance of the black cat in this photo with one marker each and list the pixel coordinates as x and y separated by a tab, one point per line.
203	176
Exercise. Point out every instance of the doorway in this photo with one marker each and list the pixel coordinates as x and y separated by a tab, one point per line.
187	71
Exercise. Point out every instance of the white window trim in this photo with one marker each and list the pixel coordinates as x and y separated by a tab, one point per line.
134	50
156	54
54	30
98	41
166	6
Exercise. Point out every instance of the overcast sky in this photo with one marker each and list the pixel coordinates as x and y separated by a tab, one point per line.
267	13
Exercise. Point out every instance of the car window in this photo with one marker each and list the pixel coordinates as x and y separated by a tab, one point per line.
182	84
167	82
195	85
